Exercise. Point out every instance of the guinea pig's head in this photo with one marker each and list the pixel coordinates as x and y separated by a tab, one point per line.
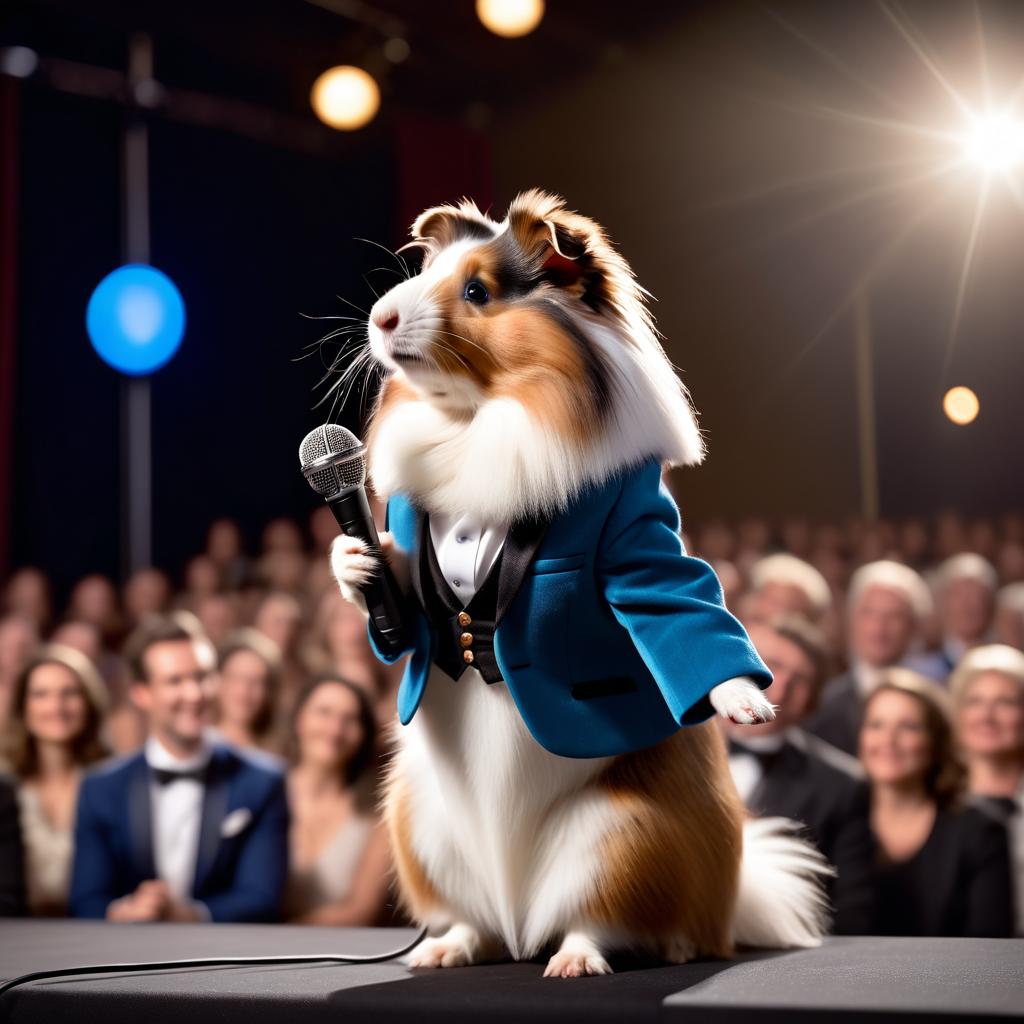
538	316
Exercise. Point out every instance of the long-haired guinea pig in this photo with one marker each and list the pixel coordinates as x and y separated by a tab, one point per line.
558	783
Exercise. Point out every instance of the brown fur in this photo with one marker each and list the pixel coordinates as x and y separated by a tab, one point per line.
672	868
415	890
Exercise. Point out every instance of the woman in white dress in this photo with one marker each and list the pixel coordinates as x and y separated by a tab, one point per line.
57	709
339	865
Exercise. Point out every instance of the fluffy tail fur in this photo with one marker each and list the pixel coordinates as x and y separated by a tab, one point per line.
782	902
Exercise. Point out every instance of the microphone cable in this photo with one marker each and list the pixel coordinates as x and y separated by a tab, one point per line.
227	961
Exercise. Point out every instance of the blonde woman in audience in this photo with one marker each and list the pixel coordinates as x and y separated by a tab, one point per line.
339	859
57	711
988	693
249	679
943	867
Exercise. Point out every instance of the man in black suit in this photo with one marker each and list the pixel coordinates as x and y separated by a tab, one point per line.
12	870
887	603
780	770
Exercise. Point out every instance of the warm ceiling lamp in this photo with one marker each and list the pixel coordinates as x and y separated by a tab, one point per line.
510	18
345	97
961	405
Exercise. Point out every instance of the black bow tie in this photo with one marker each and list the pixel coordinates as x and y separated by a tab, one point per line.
165	775
764	757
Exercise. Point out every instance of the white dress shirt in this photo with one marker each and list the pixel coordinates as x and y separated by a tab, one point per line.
466	550
746	769
176	814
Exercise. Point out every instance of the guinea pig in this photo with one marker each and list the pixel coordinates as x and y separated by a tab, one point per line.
558	784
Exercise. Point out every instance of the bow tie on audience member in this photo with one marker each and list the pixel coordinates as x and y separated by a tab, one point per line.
765	758
166	775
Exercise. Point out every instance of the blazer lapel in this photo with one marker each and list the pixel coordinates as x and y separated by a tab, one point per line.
520	546
140	820
215	803
416	557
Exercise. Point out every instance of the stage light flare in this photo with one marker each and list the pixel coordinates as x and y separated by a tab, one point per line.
345	97
995	142
961	405
510	18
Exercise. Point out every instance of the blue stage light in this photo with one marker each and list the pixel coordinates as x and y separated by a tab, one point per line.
135	319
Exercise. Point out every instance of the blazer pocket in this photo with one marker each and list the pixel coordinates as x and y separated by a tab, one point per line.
237	821
611	687
566	564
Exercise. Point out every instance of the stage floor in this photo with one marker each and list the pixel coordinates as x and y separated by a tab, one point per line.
848	980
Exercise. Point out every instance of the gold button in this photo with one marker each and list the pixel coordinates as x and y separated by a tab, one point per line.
467	657
464	619
466	639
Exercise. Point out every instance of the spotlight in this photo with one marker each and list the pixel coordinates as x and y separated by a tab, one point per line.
995	142
345	97
510	18
961	405
18	61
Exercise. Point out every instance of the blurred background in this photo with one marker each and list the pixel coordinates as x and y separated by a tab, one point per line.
824	199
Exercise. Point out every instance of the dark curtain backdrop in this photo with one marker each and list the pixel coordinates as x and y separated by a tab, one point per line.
254	237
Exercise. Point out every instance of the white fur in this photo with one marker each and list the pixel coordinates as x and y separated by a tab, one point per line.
507	832
781	904
742	701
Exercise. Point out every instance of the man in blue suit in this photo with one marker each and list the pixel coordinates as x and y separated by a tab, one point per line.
185	830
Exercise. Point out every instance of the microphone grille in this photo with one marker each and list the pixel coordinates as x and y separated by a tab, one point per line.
338	456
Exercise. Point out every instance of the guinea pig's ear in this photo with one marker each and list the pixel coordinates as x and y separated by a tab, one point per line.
436	228
559	244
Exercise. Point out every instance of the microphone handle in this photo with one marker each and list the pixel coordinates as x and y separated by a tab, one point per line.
382	594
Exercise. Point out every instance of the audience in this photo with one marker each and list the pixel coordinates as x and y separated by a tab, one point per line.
249	671
943	868
966	585
782	771
988	693
12	856
887	604
18	639
783	583
339	851
56	715
185	830
868	588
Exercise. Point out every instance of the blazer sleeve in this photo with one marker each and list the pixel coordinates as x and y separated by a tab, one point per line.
12	861
853	855
94	876
671	603
262	866
987	877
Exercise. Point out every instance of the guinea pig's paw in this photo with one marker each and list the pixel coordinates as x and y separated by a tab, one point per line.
741	701
577	957
351	566
456	948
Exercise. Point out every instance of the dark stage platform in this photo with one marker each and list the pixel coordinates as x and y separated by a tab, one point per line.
848	980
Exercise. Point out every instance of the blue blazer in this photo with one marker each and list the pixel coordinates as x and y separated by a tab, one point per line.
239	877
609	636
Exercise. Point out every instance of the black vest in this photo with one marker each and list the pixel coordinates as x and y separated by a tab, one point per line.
465	632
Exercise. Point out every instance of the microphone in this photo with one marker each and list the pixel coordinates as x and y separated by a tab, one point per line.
333	462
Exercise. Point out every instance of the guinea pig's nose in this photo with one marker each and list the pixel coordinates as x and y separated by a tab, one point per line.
386	321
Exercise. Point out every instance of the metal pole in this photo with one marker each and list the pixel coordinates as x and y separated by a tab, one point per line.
866	410
137	540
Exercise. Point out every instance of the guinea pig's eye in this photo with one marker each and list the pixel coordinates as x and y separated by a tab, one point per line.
476	293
